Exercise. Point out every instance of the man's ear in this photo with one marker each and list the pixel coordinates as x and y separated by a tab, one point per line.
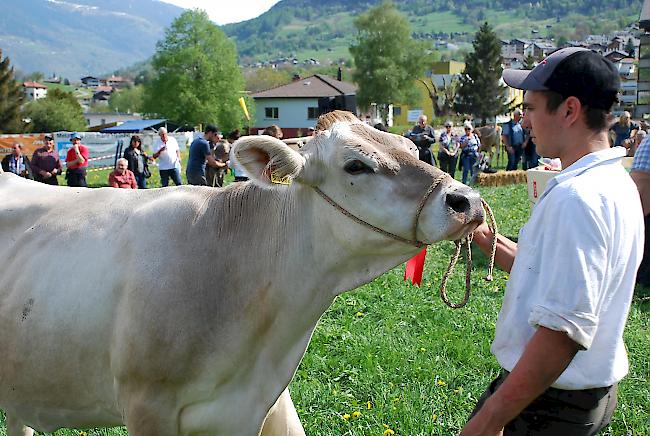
268	160
573	109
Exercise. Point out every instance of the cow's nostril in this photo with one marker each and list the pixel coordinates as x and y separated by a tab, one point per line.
458	202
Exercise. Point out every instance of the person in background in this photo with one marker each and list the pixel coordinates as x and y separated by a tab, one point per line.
221	153
200	154
137	161
423	136
469	144
122	177
76	162
559	334
448	150
638	139
531	158
238	170
623	130
46	165
273	130
17	162
640	173
168	153
512	136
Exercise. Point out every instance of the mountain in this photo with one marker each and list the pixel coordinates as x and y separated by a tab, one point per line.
81	37
324	28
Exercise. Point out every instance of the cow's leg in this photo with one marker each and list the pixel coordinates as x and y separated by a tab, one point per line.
149	411
282	419
17	428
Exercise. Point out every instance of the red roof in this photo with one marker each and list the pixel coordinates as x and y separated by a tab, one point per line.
33	85
310	87
104	89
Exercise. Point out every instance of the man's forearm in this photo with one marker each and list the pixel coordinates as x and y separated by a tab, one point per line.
506	248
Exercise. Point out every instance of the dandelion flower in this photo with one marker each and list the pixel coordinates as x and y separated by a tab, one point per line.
346	416
441	382
434	417
356	414
369	405
388	432
358	314
423	349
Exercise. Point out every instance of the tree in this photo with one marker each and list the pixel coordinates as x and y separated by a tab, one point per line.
529	62
127	100
259	79
388	60
60	110
197	78
443	98
11	98
629	47
480	92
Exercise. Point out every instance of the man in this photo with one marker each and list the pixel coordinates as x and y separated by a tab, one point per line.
46	165
512	136
76	162
640	173
122	177
221	153
200	153
168	153
17	163
423	136
559	335
530	158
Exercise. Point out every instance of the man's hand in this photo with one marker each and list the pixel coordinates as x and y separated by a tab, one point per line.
46	174
509	149
481	425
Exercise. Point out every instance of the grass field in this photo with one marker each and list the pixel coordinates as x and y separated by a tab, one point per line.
393	356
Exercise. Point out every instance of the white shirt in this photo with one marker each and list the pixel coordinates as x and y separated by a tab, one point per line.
168	159
575	269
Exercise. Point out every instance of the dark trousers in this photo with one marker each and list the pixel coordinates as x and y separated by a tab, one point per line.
51	181
558	412
76	177
141	180
197	179
515	157
643	275
448	163
425	155
174	174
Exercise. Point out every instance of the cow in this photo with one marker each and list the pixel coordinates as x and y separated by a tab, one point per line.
186	310
490	142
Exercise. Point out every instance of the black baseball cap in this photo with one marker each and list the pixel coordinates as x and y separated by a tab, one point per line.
211	128
48	137
572	71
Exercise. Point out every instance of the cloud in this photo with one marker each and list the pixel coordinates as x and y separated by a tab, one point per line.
224	12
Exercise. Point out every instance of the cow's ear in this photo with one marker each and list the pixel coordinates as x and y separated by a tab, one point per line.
268	160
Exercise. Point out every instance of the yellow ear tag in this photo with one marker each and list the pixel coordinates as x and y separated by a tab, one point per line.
275	179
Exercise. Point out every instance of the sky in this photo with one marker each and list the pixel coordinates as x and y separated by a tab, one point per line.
227	11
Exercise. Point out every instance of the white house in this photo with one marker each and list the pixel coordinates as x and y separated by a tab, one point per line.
296	106
34	91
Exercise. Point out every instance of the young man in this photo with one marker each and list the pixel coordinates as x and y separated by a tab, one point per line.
46	165
76	162
200	153
513	137
168	153
559	335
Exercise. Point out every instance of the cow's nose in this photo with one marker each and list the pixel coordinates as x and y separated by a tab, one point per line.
458	202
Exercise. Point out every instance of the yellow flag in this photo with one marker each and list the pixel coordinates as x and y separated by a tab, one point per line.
242	103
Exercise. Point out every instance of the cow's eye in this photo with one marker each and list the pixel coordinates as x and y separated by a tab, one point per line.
356	167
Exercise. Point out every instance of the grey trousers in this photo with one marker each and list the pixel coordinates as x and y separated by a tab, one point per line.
558	412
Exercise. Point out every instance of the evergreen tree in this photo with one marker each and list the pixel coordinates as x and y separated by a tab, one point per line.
529	62
11	97
629	47
480	92
59	110
387	59
197	78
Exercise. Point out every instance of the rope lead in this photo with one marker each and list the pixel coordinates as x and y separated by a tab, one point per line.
467	242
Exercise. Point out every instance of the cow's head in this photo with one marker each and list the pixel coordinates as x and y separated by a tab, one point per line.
375	176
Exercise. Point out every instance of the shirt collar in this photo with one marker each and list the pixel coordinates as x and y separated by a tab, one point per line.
591	160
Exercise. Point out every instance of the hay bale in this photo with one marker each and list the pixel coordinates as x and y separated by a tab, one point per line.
501	178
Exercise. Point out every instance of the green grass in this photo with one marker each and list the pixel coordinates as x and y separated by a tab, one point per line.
421	365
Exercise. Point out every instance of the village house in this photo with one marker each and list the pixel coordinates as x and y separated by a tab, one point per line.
295	107
34	91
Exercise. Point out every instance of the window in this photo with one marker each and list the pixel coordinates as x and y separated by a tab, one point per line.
644	74
644	51
397	111
312	113
271	112
643	97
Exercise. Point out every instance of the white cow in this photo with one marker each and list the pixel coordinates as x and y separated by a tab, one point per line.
186	311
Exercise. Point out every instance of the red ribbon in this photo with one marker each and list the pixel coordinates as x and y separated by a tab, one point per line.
415	267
